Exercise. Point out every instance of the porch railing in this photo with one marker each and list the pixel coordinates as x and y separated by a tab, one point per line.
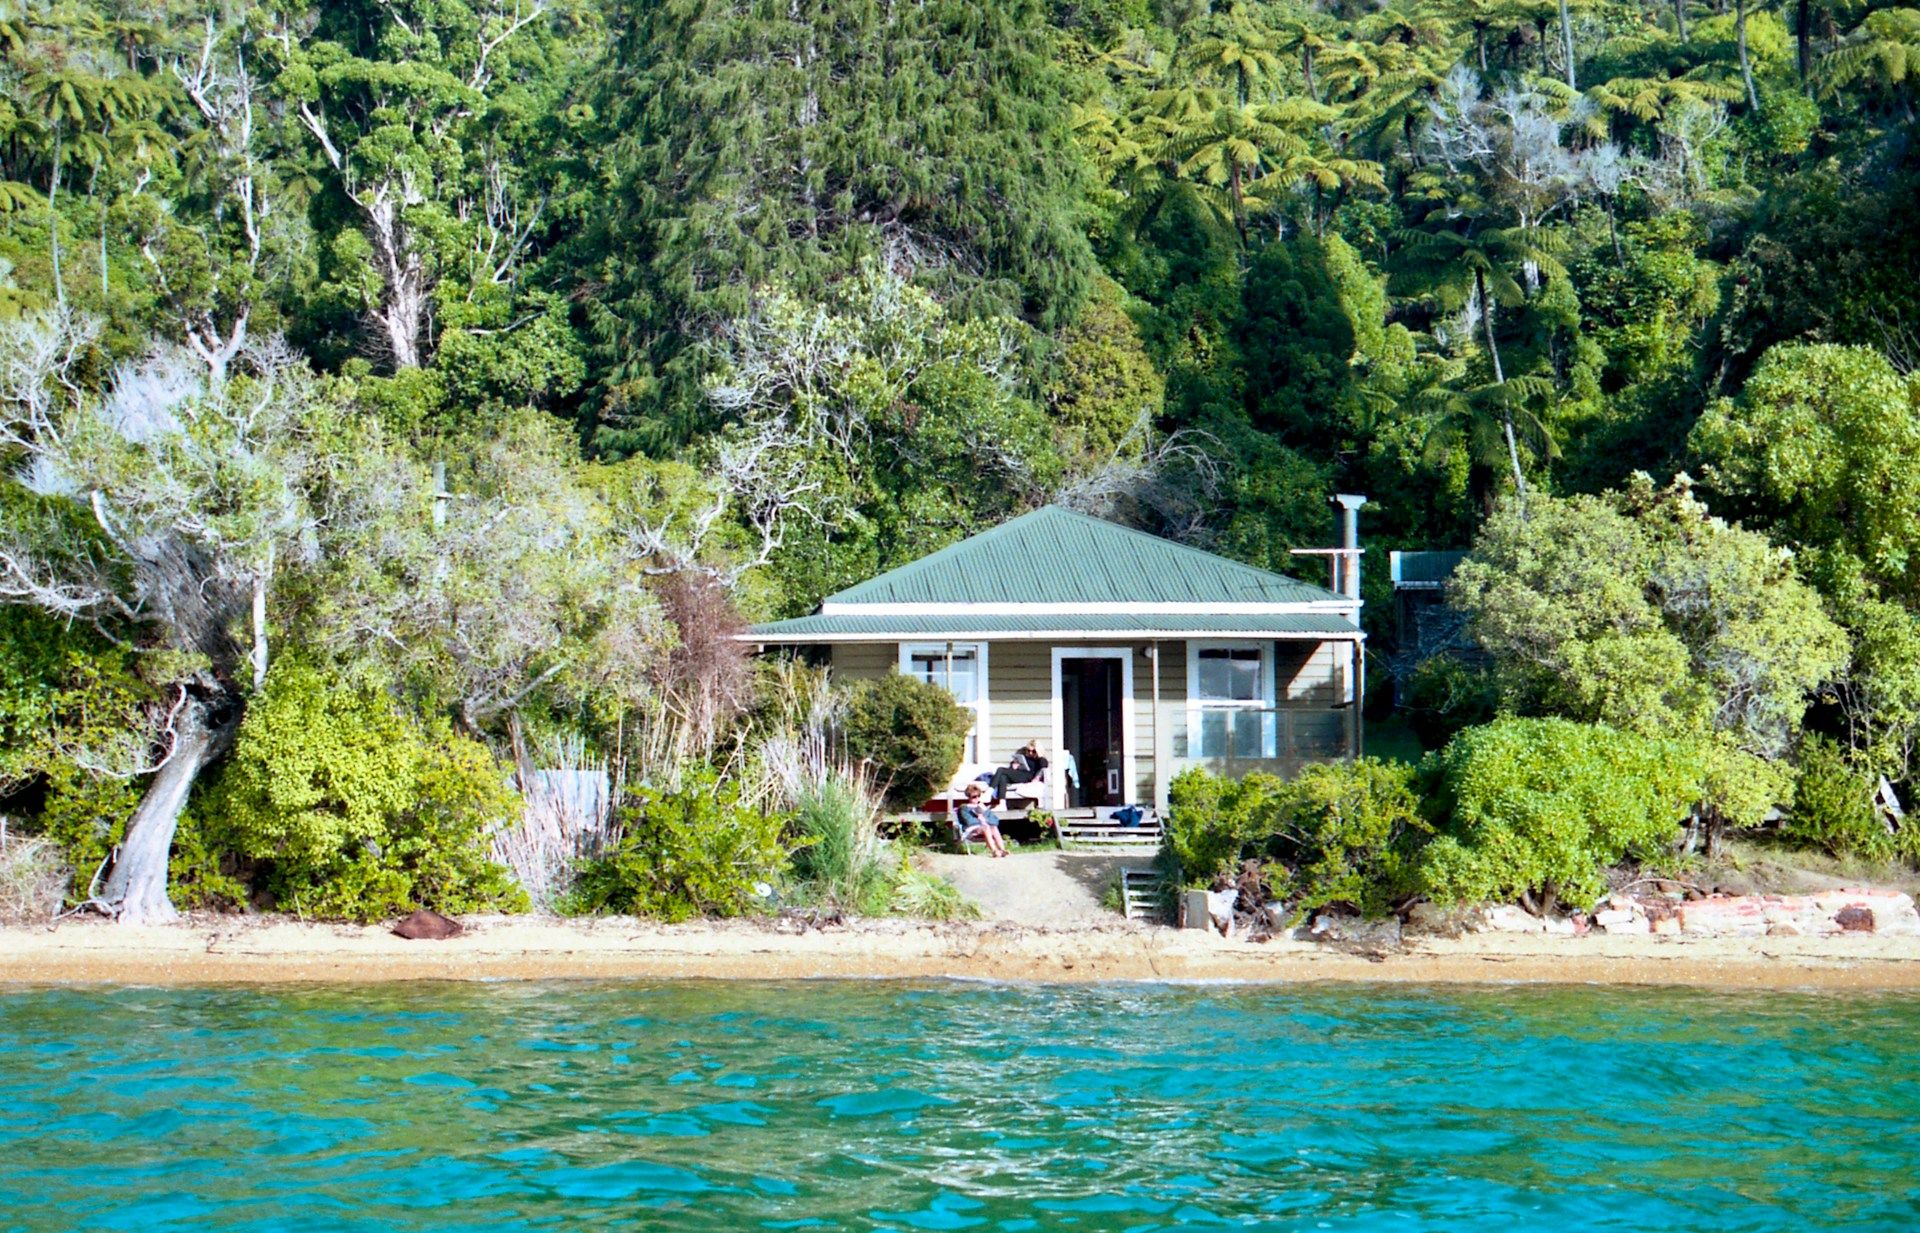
1254	735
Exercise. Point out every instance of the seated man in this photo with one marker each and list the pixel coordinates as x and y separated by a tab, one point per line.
974	821
1025	766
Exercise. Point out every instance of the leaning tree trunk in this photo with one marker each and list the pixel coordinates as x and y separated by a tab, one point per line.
1566	43
1746	64
1680	18
136	889
1803	38
1500	378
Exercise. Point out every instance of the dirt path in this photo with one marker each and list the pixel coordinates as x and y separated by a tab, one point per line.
1038	887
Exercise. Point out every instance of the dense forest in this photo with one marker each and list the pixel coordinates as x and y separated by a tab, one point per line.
397	388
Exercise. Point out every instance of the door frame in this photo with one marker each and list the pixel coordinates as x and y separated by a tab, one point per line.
1129	786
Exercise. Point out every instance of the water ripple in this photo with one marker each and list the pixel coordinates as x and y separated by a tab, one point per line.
934	1106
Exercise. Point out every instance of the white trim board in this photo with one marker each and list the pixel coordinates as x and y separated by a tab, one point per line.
1130	775
1172	634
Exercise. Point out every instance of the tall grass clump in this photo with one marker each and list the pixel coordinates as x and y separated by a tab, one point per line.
837	803
33	878
839	855
930	897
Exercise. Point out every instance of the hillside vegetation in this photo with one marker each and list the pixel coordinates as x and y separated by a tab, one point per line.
398	388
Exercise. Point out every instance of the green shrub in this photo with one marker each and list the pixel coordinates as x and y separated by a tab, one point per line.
1833	807
354	809
86	815
1211	821
694	851
1335	833
64	690
1535	810
912	732
1444	696
1347	832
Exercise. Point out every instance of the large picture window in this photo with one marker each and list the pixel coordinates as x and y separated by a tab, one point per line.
1230	700
961	668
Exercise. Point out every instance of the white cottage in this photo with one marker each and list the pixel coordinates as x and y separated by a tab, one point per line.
1138	655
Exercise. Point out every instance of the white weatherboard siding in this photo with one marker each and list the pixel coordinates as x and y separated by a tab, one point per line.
1021	695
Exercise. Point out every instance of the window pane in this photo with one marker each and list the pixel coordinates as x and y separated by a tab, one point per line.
1212	734
931	667
966	678
1229	675
1252	734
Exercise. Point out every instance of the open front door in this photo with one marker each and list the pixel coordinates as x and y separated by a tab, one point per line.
1093	691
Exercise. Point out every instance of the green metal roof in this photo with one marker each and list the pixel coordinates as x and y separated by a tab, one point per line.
1056	556
1023	626
1425	568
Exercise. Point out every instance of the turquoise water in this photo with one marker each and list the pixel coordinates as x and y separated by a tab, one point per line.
939	1106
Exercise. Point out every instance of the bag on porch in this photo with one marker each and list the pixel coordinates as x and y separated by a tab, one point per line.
1129	815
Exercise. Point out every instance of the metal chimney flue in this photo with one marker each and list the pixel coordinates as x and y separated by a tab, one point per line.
1347	563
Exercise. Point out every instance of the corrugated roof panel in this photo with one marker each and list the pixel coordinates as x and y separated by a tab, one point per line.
1056	556
1033	625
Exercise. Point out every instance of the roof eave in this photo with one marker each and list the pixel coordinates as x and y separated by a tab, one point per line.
1049	635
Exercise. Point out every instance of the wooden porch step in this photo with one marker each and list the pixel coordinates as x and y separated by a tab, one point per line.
1104	832
1140	894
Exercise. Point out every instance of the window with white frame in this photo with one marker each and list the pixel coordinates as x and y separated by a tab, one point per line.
961	668
1230	700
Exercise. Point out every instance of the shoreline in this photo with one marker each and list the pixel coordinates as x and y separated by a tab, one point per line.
252	951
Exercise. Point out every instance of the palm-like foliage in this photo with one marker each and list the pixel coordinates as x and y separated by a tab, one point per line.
1648	99
1240	156
1307	37
1401	95
1883	49
1485	421
1409	25
1483	267
1244	57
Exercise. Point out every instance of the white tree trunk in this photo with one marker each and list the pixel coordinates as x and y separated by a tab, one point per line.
1500	378
402	313
1566	43
258	656
136	889
1746	64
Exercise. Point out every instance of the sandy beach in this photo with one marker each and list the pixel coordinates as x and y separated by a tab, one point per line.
231	950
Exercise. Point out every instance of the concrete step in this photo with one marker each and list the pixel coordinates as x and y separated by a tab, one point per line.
1140	894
